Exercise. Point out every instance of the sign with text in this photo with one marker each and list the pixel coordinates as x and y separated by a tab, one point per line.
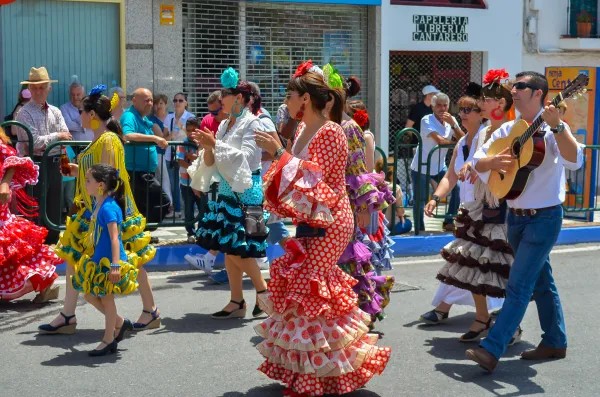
167	14
440	28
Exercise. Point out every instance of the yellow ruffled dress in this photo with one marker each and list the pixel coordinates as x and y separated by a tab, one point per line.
74	245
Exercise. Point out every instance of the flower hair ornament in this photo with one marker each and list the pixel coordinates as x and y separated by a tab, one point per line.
361	117
492	85
495	76
332	77
114	101
306	67
97	90
230	78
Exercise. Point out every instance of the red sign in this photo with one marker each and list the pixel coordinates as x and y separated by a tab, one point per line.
5	2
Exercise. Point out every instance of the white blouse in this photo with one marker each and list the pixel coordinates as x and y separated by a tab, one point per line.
467	189
236	156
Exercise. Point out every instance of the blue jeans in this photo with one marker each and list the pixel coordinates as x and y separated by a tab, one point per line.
189	201
174	177
532	239
454	197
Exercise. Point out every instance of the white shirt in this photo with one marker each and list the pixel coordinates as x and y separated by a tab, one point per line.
267	125
431	125
467	189
179	134
546	184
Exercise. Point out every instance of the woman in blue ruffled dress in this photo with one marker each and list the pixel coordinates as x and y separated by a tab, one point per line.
232	159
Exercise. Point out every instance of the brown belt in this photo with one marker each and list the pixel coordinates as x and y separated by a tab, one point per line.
529	212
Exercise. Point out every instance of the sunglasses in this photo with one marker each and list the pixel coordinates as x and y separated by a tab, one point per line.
521	85
215	112
178	100
468	110
291	94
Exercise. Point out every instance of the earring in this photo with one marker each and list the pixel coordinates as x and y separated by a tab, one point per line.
94	124
100	191
233	112
497	114
300	114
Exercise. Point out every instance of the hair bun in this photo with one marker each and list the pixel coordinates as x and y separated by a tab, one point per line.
353	86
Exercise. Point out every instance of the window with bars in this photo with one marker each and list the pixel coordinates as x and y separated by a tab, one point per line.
442	3
266	44
582	10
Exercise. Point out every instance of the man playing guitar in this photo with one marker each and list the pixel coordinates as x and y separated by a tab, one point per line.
534	222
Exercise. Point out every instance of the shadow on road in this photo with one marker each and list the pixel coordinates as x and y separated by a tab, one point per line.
199	323
80	337
510	379
79	358
460	323
276	390
24	306
453	349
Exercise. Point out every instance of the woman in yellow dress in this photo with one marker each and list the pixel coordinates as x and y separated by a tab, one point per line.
74	247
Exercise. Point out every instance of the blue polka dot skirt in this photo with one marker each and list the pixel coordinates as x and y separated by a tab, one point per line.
222	227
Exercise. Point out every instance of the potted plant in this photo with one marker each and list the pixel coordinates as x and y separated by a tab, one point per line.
584	24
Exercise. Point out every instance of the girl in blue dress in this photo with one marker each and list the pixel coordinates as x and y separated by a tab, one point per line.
109	271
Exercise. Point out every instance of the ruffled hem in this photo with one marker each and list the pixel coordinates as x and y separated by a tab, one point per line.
222	230
73	242
92	278
295	189
471	227
380	245
369	192
38	267
27	171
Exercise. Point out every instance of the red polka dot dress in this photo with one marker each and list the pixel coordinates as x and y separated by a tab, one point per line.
26	264
316	339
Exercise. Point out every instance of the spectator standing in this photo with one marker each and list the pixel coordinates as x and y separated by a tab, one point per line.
420	110
215	113
436	129
70	112
175	124
23	98
47	125
141	159
286	126
158	117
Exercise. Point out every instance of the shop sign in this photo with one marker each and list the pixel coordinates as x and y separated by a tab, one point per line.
440	28
351	2
167	14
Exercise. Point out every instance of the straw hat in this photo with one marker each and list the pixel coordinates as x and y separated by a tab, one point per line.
39	76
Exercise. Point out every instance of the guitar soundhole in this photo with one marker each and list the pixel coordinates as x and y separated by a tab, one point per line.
501	176
516	148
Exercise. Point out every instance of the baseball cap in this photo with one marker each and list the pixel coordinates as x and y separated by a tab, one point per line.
429	89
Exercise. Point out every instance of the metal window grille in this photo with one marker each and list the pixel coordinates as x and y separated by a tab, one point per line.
450	72
276	38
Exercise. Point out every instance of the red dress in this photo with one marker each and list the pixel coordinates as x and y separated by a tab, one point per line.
316	339
23	256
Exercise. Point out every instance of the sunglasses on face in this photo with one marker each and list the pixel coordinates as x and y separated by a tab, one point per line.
178	100
521	85
215	112
468	110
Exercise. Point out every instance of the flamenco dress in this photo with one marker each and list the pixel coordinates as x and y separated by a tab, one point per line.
75	244
316	339
26	264
367	192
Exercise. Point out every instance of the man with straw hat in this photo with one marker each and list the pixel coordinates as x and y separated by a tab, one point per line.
47	125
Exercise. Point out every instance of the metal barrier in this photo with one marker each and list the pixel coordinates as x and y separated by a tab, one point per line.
448	212
417	197
25	128
45	164
582	192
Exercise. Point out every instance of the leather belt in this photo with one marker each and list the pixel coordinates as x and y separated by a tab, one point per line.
530	212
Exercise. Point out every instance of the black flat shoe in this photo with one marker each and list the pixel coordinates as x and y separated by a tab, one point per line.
66	329
434	317
127	326
257	311
110	348
237	313
474	336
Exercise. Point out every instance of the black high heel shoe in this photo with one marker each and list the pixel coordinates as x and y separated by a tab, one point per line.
108	349
237	313
257	311
127	326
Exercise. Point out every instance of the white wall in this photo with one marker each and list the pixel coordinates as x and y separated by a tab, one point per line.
496	31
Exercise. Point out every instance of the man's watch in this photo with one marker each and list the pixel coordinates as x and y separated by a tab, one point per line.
455	126
435	198
559	128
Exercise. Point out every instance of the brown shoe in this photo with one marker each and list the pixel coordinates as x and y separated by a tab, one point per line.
483	358
543	353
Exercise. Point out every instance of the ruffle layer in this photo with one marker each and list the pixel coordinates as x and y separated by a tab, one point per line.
295	189
26	172
92	278
74	241
222	230
379	244
478	268
369	192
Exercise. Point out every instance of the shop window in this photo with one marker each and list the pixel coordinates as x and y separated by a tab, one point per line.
442	3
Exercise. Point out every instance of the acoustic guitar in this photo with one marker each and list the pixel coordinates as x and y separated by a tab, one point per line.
527	146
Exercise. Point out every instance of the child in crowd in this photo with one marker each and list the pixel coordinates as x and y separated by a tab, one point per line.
403	224
109	271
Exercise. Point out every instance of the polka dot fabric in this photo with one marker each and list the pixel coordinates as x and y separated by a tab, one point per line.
26	265
316	339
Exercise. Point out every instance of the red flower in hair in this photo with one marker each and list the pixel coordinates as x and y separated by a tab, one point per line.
303	68
495	75
361	117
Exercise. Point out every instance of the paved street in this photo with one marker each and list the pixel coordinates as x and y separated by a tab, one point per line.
193	355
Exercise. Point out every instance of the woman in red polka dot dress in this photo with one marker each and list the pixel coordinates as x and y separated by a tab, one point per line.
316	338
26	264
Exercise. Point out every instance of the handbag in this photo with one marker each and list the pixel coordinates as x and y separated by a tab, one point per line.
254	220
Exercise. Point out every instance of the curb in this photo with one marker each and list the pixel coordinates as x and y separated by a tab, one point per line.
171	258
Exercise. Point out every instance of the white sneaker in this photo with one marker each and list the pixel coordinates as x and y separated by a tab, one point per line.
204	262
263	263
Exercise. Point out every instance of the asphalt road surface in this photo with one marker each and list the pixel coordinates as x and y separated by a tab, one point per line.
193	355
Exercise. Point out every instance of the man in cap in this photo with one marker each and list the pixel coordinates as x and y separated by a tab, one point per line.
47	125
421	109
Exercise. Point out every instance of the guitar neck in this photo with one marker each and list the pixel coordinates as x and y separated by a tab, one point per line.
537	123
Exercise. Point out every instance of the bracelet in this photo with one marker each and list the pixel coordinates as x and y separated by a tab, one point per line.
278	153
115	266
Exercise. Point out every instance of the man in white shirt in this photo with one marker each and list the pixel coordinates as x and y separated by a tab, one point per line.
436	129
70	112
534	222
